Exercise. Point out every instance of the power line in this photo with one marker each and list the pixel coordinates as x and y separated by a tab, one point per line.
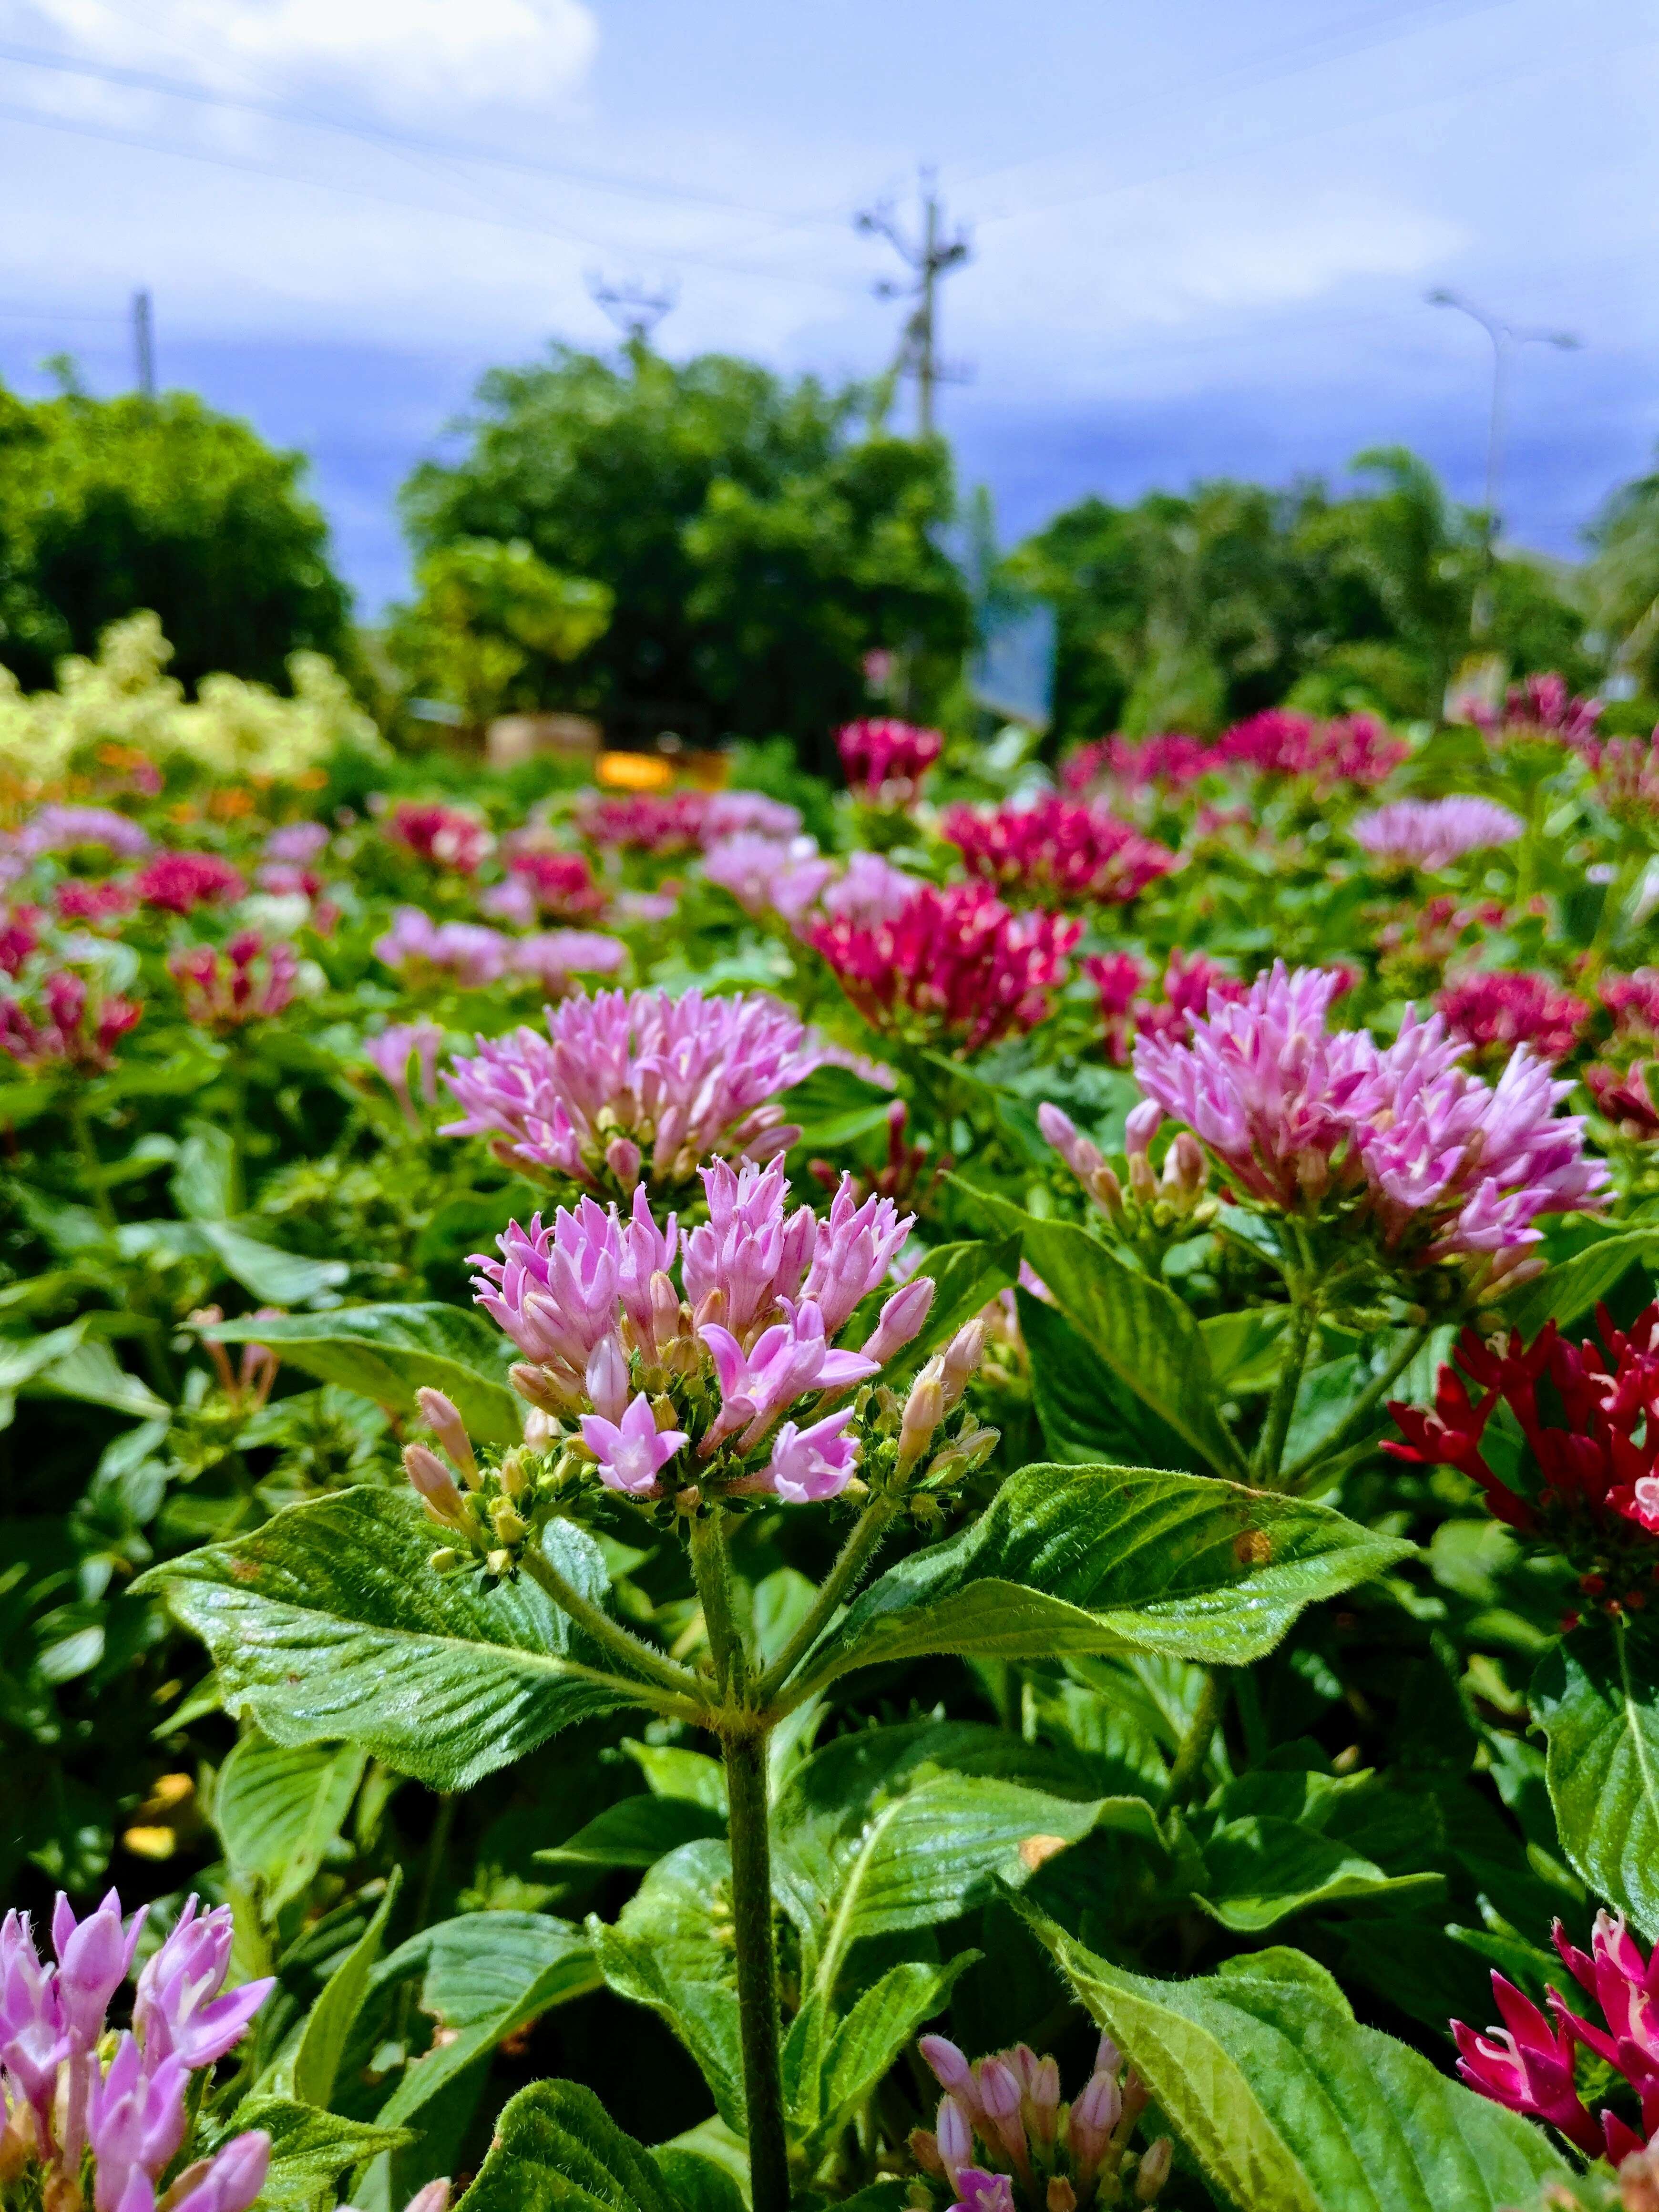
930	257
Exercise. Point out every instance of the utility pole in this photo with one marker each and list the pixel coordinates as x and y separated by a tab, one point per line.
634	308
1506	340
143	344
933	256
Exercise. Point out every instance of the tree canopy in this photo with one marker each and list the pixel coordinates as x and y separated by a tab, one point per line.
109	505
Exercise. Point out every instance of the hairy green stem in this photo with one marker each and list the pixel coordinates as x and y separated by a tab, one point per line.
867	1532
1305	1319
712	1574
628	1650
1195	1745
1362	1407
744	1751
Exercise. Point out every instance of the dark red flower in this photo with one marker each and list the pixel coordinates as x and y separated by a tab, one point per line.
1057	851
1497	1010
178	882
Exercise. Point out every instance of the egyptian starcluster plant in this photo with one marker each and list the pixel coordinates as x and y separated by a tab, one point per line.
1056	852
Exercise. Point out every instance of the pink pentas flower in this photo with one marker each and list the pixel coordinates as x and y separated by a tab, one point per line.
868	891
1540	706
886	762
96	904
682	821
179	883
443	836
1497	1010
1166	761
1356	749
634	1451
750	1253
248	980
54	828
463	953
782	1365
297	844
1056	851
669	1081
766	875
561	885
955	966
390	1054
66	1025
809	1465
1432	833
554	959
1004	2138
19	938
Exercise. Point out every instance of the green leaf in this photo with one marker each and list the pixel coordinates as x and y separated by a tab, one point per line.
330	1622
483	1977
204	1184
323	2039
868	2041
1086	1414
1109	1559
275	1277
555	2150
1137	1325
695	2183
968	1274
1596	1698
1284	2100
671	1772
278	1808
635	1832
90	1372
309	2149
1566	1293
388	1353
703	2012
1259	1871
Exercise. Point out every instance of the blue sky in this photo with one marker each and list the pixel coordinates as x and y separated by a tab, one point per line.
1202	231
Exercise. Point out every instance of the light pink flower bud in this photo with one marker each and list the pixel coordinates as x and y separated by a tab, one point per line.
1154	2170
1141	1126
608	1382
1143	1184
1044	2095
434	2197
900	1320
1000	2088
924	1409
232	2178
93	1955
624	1159
951	2069
1093	2117
955	2137
442	1417
435	1484
961	1358
1184	1166
1109	2059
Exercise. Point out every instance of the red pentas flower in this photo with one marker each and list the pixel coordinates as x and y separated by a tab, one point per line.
885	761
1057	851
77	901
1353	748
248	981
1167	761
1528	2064
1589	1413
20	934
1498	1010
69	1028
444	836
178	882
1189	981
955	966
561	884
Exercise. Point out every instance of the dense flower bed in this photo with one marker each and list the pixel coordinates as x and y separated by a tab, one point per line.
739	1425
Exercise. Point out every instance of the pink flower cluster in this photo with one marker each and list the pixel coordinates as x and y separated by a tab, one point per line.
1538	707
1526	2065
19	938
178	882
682	821
1004	2138
953	966
589	1301
626	1084
1355	749
443	836
885	761
471	956
1431	833
1057	852
767	876
96	903
69	1029
289	865
249	980
53	829
1443	1165
131	2115
543	882
1627	774
1189	981
1169	761
1496	1010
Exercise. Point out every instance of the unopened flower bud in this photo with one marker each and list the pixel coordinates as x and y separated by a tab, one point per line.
1154	2170
900	1320
954	2136
961	1358
435	1483
665	1309
434	2197
1061	2197
1184	1167
537	1388
540	1429
924	2148
442	1417
924	1409
999	2091
1107	1192
1109	2059
444	1560
951	2069
607	1379
499	1565
622	1156
1042	2091
507	1524
1140	1127
514	1474
1093	2119
1143	1184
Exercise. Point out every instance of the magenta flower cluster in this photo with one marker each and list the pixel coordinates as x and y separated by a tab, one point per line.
1445	1165
625	1084
130	2111
589	1300
1431	833
472	956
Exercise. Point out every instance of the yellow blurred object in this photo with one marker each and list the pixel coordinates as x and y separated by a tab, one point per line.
151	1843
168	1791
634	772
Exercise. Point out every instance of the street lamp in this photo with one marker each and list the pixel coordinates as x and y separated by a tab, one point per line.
1505	338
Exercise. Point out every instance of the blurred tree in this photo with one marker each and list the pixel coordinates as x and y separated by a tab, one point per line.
756	545
1621	581
107	506
486	610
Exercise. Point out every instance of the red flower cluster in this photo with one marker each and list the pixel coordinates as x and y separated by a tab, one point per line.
561	884
178	882
76	900
1498	1010
444	836
1595	1496
66	1037
1542	707
1617	1080
1626	772
954	966
248	981
1169	760
1526	2065
1057	852
885	761
1353	748
20	934
1189	981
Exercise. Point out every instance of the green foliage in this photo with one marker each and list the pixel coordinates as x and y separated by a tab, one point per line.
484	610
1596	1698
107	506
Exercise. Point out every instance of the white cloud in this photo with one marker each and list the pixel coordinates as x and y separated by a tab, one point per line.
433	56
